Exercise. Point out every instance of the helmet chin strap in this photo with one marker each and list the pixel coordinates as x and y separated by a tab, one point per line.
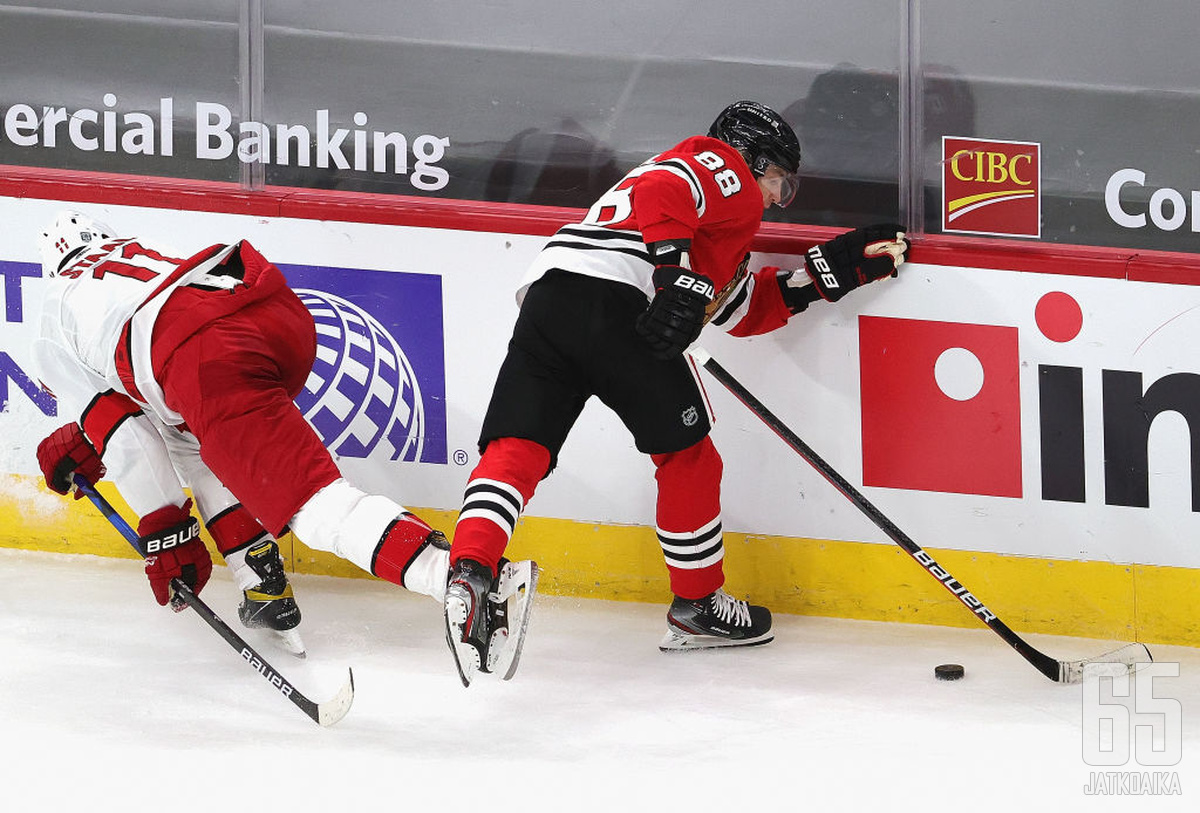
68	257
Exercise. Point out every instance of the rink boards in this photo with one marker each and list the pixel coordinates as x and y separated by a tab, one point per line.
1028	413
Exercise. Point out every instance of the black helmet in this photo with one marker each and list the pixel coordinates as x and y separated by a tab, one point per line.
760	133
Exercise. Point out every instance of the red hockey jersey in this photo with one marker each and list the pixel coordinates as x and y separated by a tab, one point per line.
701	190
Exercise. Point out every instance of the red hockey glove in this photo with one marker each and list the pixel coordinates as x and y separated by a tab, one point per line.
65	452
856	258
170	541
676	313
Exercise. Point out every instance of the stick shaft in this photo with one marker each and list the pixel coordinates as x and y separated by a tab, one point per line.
1048	666
188	597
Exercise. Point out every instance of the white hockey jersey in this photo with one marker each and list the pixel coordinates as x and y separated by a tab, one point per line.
88	306
107	297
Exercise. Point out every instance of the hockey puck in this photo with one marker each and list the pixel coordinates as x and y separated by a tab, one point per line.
948	671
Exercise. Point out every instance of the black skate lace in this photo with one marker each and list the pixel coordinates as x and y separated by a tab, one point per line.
730	610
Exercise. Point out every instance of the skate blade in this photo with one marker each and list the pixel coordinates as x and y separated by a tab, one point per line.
679	641
466	657
517	585
290	641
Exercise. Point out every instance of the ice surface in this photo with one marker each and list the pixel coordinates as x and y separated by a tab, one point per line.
108	702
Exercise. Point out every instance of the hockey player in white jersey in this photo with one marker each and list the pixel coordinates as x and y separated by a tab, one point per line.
180	372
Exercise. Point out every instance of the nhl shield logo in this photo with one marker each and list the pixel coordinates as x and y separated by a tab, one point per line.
690	416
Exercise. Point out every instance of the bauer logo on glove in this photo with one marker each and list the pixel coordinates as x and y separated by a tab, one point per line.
172	539
700	285
675	315
169	538
856	258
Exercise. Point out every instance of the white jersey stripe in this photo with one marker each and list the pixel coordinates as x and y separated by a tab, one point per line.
734	309
698	564
695	549
704	530
493	500
502	520
681	169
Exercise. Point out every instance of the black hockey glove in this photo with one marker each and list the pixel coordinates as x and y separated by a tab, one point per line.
676	313
797	289
856	258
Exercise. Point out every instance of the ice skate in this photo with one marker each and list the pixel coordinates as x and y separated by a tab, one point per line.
509	607
486	618
717	620
271	604
467	617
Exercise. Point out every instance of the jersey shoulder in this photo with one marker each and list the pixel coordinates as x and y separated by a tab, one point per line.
722	181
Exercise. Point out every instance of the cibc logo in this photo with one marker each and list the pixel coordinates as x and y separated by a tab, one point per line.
991	187
941	411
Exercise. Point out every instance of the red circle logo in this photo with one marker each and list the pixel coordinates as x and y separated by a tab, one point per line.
1058	316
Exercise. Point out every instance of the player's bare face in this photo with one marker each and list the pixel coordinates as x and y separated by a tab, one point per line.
777	186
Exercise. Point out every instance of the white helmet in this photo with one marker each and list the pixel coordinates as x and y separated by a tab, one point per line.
70	234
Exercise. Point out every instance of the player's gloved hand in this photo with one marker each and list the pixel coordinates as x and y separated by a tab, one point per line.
65	452
169	538
856	258
676	313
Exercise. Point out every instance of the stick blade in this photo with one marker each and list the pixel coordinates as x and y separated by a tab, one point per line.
336	707
1130	655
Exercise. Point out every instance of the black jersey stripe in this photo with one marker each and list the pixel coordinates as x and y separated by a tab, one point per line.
490	508
679	543
689	176
482	485
641	255
684	559
600	233
730	307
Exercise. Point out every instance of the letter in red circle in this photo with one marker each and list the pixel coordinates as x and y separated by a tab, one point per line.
916	436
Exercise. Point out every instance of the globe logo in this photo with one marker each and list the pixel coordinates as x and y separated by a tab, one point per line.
362	394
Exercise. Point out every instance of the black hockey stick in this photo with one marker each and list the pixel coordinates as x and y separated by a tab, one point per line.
325	714
1056	670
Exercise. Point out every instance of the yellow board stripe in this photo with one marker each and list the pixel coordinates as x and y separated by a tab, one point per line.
788	574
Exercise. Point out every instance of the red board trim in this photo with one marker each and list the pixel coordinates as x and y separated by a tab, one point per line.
1178	268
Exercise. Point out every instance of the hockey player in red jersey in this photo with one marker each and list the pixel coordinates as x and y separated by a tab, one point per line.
180	372
608	309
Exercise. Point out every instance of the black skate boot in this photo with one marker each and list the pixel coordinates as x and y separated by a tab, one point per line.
717	620
271	603
486	618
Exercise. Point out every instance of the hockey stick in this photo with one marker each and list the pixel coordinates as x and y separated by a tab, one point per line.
1056	670
325	714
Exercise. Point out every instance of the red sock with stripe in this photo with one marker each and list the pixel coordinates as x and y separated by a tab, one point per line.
688	518
496	494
